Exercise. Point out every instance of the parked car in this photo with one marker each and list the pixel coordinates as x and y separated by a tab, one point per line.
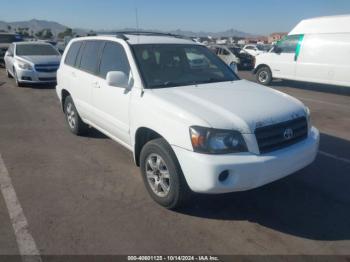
5	40
253	50
32	63
190	128
246	61
226	55
314	51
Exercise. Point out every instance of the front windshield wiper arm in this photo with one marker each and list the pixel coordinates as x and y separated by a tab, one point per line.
166	84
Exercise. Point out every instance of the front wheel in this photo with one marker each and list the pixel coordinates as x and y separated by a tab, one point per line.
162	174
8	73
264	76
15	76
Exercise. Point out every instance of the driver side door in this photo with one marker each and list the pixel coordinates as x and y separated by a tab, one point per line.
284	57
111	103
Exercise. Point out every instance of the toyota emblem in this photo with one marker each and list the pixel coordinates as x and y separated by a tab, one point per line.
288	134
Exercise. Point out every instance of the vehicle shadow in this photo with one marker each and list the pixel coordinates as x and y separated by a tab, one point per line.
39	86
312	87
313	203
94	133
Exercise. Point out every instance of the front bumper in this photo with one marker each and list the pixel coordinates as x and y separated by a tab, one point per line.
34	77
247	170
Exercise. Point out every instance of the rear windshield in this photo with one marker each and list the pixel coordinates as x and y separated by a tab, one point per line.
36	50
7	39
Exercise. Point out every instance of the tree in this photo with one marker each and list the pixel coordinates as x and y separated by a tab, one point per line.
67	32
44	34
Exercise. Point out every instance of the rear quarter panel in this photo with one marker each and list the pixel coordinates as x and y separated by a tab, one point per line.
324	58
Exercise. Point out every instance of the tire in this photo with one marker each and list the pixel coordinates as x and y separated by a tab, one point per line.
18	83
164	180
264	76
75	124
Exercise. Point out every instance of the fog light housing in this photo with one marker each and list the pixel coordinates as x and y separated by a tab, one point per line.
224	176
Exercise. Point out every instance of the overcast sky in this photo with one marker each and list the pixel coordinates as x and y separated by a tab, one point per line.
252	16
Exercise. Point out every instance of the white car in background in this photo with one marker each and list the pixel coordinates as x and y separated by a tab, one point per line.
191	125
226	55
32	63
253	50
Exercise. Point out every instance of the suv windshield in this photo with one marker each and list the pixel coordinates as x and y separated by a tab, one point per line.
35	50
169	65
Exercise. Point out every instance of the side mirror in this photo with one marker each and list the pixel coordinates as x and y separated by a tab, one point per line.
117	79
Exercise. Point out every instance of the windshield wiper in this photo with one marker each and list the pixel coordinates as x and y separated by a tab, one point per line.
167	84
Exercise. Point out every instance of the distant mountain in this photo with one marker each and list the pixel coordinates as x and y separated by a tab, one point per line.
35	25
38	25
227	33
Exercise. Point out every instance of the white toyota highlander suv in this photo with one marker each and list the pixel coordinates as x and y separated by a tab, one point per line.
192	127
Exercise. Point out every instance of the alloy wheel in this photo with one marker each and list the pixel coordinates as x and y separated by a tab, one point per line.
158	176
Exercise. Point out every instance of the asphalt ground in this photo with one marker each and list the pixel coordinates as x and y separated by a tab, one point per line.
84	195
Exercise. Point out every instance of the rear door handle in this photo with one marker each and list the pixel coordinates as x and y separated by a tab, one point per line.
96	85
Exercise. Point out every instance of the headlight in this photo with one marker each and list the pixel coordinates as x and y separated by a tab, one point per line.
24	65
215	141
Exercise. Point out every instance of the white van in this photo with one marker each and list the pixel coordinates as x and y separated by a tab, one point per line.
316	50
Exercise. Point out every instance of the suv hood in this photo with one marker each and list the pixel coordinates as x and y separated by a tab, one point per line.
36	60
239	105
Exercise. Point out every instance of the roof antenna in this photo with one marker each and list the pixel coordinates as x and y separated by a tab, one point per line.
137	24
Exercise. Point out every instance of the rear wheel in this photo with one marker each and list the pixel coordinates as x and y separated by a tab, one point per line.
75	124
264	76
162	174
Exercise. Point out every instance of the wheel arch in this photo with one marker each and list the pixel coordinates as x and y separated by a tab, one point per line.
143	135
260	66
64	95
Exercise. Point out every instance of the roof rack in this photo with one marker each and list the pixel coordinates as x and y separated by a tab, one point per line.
121	34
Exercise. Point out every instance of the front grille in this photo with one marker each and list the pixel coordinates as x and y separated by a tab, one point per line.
278	136
47	78
47	68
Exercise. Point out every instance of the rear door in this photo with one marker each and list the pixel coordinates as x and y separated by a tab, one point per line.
111	104
284	62
85	78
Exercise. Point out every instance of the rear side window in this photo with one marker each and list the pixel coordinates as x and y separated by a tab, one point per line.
72	53
90	56
113	59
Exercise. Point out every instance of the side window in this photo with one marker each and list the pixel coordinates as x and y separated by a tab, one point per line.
90	56
225	52
113	59
289	44
10	50
72	53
